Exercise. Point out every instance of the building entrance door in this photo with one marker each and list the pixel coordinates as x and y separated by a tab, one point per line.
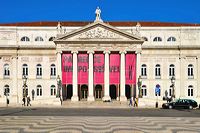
98	91
84	92
113	92
69	91
128	91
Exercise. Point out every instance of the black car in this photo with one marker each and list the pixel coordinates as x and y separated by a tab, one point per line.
181	103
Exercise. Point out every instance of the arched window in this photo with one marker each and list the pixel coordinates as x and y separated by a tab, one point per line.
39	39
157	39
51	38
145	38
144	90
190	90
144	70
39	90
39	70
6	90
53	90
190	71
157	71
24	70
53	70
6	71
171	39
171	70
25	39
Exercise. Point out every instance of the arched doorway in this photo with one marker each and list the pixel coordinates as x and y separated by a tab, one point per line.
113	92
128	91
69	91
84	92
98	92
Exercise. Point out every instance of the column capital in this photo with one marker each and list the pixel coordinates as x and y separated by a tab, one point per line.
122	51
138	51
59	52
90	51
74	51
106	52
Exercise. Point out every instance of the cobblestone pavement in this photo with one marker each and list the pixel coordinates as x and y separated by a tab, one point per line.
71	124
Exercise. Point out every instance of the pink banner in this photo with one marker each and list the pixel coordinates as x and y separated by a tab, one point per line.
83	68
114	68
98	68
130	69
67	68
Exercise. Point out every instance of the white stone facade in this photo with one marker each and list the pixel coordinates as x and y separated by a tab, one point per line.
184	52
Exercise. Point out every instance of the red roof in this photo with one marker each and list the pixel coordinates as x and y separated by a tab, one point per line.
71	23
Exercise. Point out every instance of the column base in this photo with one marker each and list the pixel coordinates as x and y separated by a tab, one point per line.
106	98
123	99
74	99
90	98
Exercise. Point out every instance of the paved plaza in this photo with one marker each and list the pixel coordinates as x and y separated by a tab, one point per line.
55	124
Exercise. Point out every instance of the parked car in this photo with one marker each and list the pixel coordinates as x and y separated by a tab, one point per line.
181	103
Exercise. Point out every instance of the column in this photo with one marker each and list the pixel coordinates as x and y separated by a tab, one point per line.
59	70
15	96
75	77
138	69
182	78
122	76
106	77
90	80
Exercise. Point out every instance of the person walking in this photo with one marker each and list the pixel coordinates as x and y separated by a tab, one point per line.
28	101
24	101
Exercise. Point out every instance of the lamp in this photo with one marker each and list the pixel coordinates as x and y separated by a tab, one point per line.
173	87
139	86
58	84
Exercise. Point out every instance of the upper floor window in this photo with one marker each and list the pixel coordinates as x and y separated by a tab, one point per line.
6	90
157	71
24	70
145	38
53	70
171	39
39	39
157	39
144	90
144	70
51	38
6	70
190	90
39	70
53	90
25	39
39	90
190	71
171	70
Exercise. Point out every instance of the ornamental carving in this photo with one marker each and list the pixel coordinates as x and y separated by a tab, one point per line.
52	59
6	59
99	33
38	59
24	59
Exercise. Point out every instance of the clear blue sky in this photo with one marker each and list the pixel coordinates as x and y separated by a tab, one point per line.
187	11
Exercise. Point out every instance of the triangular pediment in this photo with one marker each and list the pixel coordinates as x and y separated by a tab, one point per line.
98	31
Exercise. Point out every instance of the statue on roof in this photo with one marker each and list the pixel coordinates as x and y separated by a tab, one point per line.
98	15
59	28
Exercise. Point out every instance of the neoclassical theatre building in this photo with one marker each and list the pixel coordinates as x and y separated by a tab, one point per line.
99	60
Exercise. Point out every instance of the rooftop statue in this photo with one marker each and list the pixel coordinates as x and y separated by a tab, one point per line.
98	15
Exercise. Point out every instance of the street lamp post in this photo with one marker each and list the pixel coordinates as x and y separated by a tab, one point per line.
173	87
139	87
59	86
24	87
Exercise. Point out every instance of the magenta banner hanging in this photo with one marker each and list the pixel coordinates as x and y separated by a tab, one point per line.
83	68
130	69
98	69
67	68
114	68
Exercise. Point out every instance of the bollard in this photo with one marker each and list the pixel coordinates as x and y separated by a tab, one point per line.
156	104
